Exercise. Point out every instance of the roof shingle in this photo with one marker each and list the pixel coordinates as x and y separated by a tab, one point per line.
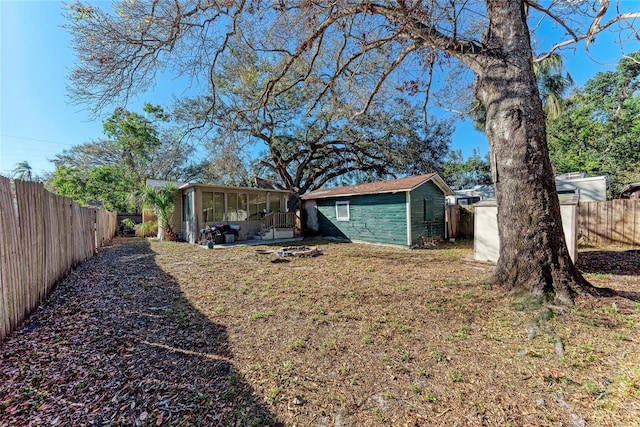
391	186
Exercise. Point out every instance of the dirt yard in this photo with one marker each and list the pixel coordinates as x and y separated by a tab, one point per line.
151	333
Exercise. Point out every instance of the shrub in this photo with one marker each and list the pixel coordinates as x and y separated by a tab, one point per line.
147	229
126	227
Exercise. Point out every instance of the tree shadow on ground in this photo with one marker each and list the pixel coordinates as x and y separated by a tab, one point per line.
617	263
118	344
621	263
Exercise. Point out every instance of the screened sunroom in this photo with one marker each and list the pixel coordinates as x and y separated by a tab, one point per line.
255	213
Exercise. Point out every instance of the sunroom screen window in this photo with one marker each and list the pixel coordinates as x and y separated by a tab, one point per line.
257	206
274	203
212	207
236	207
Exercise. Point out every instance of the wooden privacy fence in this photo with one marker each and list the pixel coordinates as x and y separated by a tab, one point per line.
459	221
42	236
615	222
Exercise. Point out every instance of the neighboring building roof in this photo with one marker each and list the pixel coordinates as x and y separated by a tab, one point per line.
482	191
591	189
230	188
268	184
158	183
571	175
161	183
565	199
630	189
562	181
392	186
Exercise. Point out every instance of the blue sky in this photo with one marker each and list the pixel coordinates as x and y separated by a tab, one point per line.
37	120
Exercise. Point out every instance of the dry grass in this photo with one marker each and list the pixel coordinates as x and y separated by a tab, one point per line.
361	335
371	335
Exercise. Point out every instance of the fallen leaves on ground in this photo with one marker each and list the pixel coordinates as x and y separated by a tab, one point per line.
119	344
162	333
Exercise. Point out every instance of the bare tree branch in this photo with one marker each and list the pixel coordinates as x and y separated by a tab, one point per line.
388	70
594	29
535	5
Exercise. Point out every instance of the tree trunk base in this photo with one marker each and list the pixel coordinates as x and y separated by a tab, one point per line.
562	287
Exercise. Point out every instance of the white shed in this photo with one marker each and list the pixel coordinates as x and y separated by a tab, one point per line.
486	241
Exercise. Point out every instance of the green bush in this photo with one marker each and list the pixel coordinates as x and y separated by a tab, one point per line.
126	227
147	229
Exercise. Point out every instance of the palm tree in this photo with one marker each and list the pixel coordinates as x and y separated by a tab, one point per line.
162	202
22	171
552	83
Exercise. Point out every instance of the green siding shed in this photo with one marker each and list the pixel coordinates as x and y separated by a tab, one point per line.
395	212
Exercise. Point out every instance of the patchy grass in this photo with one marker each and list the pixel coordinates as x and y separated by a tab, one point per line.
374	335
378	335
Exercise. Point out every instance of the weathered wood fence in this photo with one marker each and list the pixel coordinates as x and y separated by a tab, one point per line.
459	221
615	222
42	237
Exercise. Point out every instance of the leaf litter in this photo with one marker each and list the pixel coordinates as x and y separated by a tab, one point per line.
162	333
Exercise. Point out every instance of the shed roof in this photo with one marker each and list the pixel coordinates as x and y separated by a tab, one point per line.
391	186
629	189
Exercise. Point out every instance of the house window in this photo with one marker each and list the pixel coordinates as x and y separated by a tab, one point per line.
342	211
212	206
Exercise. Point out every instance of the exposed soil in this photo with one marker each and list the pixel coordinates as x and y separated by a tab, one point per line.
161	333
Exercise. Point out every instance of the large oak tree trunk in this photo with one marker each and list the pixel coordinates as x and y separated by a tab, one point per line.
533	253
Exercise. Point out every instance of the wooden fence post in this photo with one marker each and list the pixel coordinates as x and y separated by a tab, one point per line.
42	236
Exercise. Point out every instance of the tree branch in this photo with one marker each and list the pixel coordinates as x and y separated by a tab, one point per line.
535	5
594	29
401	57
424	36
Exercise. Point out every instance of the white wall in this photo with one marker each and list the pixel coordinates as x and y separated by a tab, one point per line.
486	242
593	189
